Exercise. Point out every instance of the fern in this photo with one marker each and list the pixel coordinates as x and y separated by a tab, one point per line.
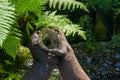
51	19
67	4
9	39
7	18
23	6
73	29
12	43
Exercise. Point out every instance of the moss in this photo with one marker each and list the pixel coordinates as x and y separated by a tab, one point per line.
100	29
93	46
89	46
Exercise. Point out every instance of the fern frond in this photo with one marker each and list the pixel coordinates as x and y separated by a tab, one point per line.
11	44
72	29
7	17
67	4
51	19
23	6
9	40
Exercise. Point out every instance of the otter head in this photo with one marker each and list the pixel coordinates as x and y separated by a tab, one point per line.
36	37
58	33
55	35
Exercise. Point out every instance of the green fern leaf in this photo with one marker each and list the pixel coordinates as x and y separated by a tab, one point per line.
64	5
51	19
51	3
4	24
11	44
60	3
73	6
23	6
77	5
6	19
67	4
9	40
55	3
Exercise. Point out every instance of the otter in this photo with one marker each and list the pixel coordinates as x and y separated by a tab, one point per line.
43	63
68	64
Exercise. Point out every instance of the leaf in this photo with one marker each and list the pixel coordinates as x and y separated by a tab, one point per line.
2	70
64	5
60	3
51	19
7	18
8	62
55	3
67	4
11	45
51	3
23	6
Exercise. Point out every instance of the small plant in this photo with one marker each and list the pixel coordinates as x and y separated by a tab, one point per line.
86	22
55	75
115	41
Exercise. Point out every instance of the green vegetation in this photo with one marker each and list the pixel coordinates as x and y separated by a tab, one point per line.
93	22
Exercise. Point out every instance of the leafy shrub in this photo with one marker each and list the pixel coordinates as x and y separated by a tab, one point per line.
115	41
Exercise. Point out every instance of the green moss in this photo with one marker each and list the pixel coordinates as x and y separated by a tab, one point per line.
100	29
92	46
